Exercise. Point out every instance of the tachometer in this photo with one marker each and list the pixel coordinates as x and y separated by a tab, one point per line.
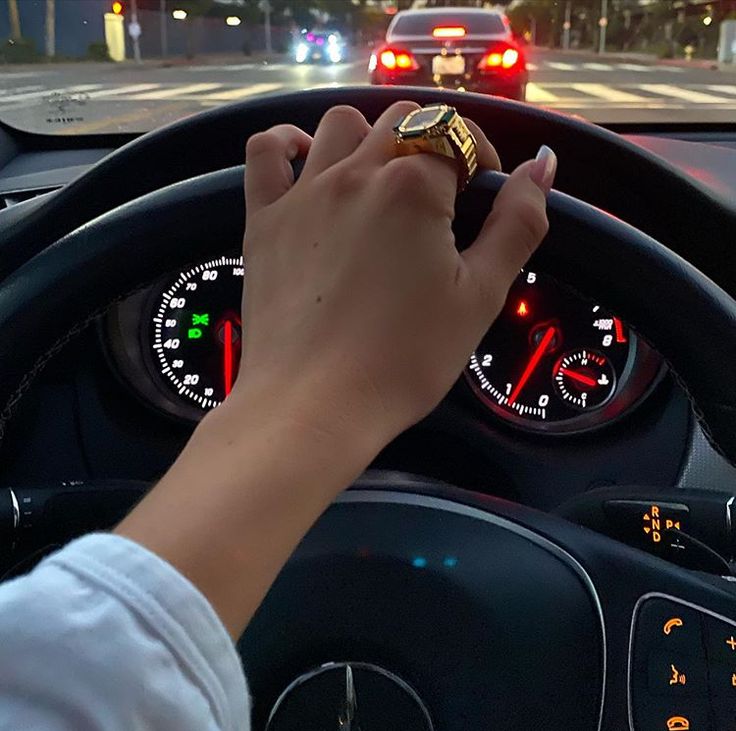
196	331
553	362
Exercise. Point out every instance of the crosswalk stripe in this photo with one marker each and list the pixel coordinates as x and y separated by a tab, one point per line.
535	93
241	92
679	93
607	92
532	67
560	66
597	67
118	91
175	91
636	67
722	88
44	92
20	90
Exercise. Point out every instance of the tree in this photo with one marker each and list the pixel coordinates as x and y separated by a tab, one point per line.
15	34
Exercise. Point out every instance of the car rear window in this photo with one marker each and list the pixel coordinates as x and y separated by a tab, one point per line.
422	24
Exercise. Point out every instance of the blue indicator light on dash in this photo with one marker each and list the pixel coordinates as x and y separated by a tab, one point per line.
419	562
449	562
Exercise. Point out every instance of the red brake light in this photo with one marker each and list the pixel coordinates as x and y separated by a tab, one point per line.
501	58
392	60
449	31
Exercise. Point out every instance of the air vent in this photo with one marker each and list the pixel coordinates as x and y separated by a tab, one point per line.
11	198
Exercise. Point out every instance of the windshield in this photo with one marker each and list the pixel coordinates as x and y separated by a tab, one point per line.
422	24
100	66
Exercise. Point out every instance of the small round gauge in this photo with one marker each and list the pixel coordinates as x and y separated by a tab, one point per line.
584	378
553	362
196	331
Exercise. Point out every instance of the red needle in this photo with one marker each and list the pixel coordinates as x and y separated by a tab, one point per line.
228	357
579	377
533	362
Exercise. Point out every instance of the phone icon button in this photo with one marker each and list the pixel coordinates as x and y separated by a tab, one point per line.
678	723
670	624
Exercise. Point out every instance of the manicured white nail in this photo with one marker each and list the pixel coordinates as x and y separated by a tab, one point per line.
544	168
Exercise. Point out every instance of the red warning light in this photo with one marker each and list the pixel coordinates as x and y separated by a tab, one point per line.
523	309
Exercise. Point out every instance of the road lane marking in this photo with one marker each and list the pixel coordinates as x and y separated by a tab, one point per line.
560	66
597	67
124	121
532	67
241	92
20	90
175	91
636	67
537	94
118	91
47	92
685	94
608	93
722	88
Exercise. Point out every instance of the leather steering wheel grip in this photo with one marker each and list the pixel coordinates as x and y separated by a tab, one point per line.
683	314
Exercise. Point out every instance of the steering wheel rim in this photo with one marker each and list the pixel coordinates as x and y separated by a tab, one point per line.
596	166
135	243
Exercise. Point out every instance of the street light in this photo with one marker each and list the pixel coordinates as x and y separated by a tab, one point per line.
232	20
179	14
707	20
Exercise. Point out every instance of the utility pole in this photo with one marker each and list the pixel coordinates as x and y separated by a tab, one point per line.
265	8
50	28
14	20
162	22
134	29
566	26
602	24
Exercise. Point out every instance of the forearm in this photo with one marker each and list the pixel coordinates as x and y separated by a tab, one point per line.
238	500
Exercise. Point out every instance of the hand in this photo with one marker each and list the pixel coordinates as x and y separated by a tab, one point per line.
358	308
359	314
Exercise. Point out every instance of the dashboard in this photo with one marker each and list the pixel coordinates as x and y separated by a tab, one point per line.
553	363
561	396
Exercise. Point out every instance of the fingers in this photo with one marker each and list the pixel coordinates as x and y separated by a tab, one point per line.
268	171
379	145
340	132
514	229
487	155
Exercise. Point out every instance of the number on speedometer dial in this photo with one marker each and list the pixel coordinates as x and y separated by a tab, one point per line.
197	331
551	361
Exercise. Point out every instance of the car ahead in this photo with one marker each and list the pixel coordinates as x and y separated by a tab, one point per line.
467	49
320	46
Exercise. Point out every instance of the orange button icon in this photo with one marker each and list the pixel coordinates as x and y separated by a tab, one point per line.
678	723
670	624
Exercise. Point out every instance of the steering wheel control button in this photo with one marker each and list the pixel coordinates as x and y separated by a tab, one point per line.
720	640
676	675
723	683
349	697
669	672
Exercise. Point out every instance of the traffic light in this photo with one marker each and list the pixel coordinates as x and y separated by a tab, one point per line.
117	8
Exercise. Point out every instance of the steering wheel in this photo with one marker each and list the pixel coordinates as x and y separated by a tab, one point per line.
439	608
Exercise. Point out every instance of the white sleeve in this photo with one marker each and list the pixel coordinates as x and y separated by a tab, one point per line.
106	636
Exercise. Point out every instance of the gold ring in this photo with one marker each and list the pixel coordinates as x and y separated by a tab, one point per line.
439	129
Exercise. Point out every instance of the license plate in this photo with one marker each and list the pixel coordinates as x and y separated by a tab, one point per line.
316	55
448	65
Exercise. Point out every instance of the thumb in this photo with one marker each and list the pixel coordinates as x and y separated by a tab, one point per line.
514	228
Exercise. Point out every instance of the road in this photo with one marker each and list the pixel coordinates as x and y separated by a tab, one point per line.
93	98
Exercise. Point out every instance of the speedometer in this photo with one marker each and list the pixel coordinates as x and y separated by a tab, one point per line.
196	331
554	362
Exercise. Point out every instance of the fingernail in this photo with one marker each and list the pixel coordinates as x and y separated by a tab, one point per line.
544	168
